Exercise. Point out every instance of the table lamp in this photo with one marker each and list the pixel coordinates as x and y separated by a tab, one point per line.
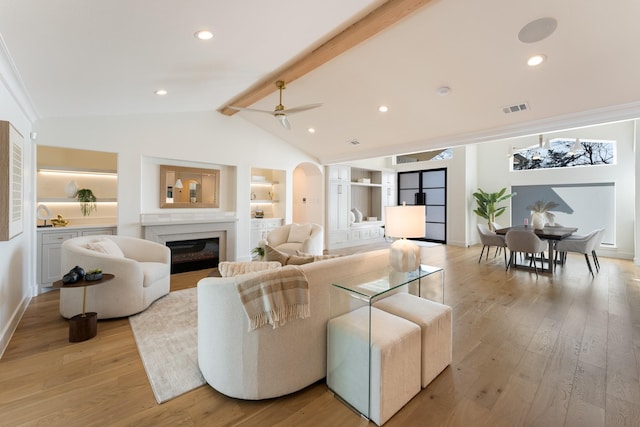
403	222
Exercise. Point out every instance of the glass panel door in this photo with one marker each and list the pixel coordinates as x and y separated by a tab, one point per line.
428	188
434	185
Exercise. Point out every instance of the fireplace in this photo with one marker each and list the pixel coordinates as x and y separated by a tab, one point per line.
181	228
194	254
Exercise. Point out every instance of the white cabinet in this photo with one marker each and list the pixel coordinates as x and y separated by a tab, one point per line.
50	245
368	191
339	173
338	207
338	214
261	227
389	190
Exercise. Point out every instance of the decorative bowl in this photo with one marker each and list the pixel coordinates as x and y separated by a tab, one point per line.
93	276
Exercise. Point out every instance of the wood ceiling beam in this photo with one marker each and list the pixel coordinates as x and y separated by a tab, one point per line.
383	17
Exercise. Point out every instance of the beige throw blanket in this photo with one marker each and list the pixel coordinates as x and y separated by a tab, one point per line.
274	296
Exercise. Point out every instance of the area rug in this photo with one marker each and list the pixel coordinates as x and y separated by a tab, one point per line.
166	335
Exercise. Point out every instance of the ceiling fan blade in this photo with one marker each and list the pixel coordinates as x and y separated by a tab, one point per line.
282	118
250	109
302	108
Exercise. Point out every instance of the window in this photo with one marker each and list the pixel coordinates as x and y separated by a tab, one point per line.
447	153
564	153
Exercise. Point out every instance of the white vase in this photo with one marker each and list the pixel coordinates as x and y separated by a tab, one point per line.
71	189
537	220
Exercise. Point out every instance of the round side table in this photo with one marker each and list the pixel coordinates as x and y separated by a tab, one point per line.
83	326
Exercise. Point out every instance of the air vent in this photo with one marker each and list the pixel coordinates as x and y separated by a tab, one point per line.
515	108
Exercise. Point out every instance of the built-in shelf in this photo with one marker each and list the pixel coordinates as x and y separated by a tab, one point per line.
72	200
267	186
54	169
362	184
259	202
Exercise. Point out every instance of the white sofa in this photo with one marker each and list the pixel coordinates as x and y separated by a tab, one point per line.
142	272
269	362
290	238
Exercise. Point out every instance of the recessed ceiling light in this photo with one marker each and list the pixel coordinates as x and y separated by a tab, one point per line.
383	108
160	92
203	35
536	60
444	90
311	130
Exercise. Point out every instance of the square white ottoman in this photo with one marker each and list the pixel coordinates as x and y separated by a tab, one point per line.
395	361
434	320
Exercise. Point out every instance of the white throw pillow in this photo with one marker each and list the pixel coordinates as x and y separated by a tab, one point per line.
105	246
298	233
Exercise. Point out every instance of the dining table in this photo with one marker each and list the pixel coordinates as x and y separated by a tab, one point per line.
550	233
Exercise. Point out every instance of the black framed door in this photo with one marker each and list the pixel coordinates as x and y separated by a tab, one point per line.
428	188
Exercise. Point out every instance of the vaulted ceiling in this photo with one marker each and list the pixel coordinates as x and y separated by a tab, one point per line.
88	57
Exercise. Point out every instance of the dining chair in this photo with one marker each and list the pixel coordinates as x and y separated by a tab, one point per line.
527	242
582	245
490	238
596	246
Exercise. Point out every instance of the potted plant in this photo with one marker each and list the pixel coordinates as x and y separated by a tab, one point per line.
258	253
487	204
540	214
87	201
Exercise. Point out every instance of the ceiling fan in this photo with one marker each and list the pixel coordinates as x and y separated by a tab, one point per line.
280	112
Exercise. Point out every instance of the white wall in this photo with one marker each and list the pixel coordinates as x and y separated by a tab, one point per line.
203	137
17	277
494	173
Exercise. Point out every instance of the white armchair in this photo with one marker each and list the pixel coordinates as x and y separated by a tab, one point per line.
142	272
290	238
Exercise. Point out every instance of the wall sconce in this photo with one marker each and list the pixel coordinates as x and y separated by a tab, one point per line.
178	183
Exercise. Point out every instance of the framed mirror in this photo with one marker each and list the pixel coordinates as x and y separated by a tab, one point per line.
183	187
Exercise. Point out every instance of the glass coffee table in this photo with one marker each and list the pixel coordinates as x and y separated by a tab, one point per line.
358	294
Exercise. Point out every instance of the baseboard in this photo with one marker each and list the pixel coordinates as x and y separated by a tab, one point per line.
8	331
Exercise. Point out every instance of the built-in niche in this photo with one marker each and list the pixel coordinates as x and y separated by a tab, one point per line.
61	170
267	188
184	187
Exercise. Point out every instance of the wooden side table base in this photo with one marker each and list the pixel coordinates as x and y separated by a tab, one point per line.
83	327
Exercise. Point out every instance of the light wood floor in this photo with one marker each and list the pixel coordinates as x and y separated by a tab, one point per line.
556	351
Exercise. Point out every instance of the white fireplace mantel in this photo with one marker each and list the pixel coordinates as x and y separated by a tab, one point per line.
163	228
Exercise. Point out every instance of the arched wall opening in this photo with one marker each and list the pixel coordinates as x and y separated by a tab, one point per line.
308	198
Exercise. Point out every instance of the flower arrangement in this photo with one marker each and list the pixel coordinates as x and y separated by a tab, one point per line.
540	213
258	252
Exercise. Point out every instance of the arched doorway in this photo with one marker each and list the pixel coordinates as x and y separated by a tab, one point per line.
308	201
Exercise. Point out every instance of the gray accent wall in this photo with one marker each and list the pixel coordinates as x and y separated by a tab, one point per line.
586	206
